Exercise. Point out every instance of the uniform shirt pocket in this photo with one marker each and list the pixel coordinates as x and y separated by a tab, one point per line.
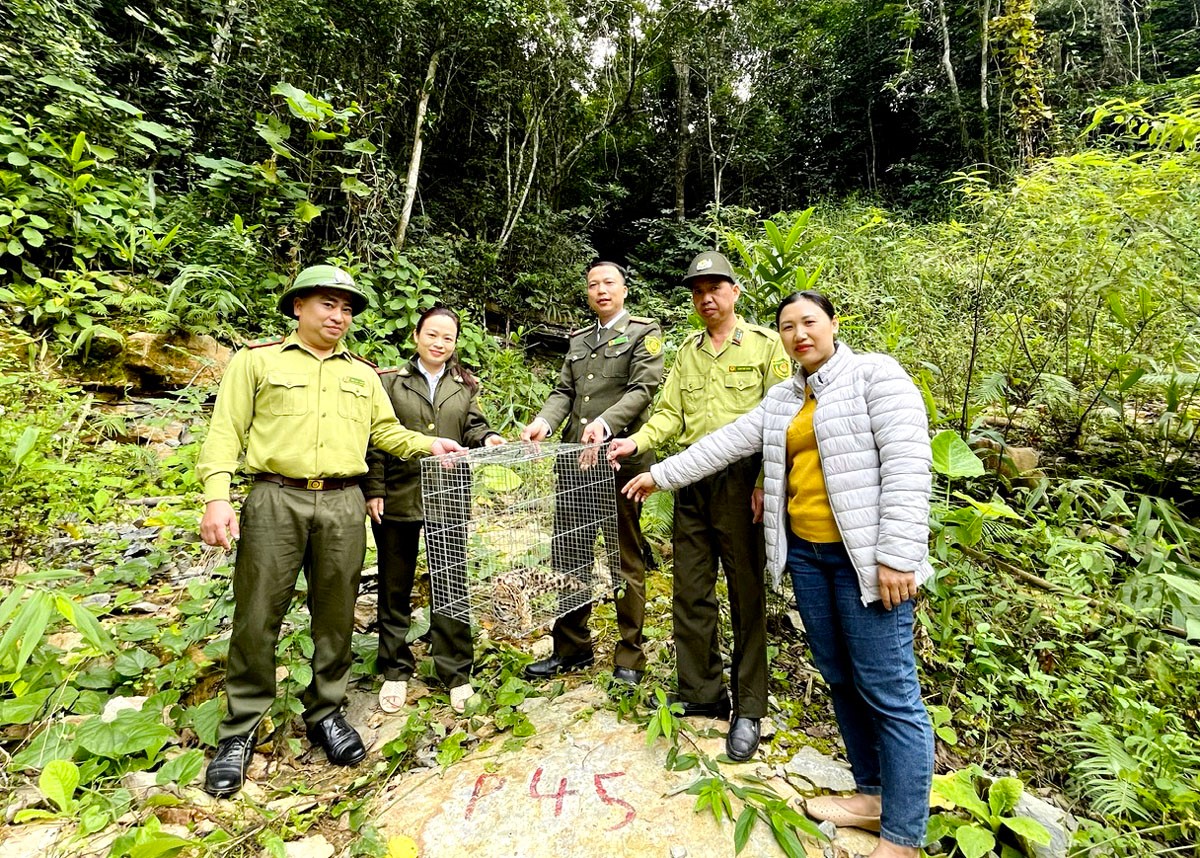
743	389
616	360
286	393
354	400
692	387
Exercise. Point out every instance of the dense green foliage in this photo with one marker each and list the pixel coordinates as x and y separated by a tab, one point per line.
1004	196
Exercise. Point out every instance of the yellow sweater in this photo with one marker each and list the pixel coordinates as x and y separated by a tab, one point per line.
808	507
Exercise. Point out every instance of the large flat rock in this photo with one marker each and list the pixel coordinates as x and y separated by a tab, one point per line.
584	785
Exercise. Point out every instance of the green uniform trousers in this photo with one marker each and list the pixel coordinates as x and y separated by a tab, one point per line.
450	642
713	522
282	530
571	636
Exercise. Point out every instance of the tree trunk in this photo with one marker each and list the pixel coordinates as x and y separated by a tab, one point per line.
515	211
683	73
414	162
948	65
984	47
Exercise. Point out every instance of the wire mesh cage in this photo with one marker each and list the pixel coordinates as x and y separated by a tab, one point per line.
519	535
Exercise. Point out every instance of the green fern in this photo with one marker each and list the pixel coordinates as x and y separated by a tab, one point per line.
1105	773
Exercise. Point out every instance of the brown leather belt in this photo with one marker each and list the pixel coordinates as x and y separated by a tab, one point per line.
321	484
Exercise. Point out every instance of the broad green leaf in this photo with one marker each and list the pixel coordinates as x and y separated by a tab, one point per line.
129	733
354	185
135	662
182	770
497	478
160	845
953	458
85	623
25	633
58	782
1030	829
960	792
68	86
1004	795
306	211
362	145
17	159
78	148
301	673
786	838
741	831
974	841
57	742
25	444
23	708
205	719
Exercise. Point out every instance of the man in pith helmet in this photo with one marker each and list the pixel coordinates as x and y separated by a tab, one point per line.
302	409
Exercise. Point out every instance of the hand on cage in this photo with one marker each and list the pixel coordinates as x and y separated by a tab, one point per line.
640	487
494	440
448	451
620	449
593	437
537	430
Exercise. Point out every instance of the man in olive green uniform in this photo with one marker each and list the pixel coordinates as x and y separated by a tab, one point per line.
719	374
605	389
303	409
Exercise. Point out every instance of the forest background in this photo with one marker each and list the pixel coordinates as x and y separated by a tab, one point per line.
1003	194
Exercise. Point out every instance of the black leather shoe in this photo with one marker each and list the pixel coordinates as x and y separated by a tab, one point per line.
227	771
719	708
343	746
628	675
556	664
742	741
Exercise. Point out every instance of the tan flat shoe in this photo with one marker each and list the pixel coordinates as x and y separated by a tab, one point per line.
829	809
392	695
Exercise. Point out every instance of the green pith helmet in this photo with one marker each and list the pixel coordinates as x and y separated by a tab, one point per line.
315	276
710	263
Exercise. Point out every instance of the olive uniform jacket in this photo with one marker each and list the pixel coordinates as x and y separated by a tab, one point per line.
454	413
610	373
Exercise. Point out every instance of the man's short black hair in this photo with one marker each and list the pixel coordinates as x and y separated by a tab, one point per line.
599	262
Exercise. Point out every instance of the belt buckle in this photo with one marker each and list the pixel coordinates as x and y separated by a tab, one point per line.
315	485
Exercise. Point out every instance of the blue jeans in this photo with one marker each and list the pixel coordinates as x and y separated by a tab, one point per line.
865	654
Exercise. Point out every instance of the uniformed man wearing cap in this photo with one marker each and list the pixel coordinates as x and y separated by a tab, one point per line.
719	374
303	409
607	383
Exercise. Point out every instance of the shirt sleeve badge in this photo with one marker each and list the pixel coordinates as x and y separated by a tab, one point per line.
653	345
781	368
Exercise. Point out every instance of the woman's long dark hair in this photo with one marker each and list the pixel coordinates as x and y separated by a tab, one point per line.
813	295
453	364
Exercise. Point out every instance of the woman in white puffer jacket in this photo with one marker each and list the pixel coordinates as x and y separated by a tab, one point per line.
846	464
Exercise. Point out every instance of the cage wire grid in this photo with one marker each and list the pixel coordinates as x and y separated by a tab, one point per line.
519	535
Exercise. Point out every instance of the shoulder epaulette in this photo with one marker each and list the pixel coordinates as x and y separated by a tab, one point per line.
761	329
265	341
386	370
696	336
644	320
582	330
371	364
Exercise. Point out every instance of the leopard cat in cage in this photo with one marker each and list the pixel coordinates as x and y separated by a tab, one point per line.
523	594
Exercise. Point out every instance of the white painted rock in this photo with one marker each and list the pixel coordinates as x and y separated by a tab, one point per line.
585	785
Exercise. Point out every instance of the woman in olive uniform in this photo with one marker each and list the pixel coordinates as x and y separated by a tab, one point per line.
433	389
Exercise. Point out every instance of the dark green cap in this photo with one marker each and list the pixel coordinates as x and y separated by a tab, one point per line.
321	276
710	263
